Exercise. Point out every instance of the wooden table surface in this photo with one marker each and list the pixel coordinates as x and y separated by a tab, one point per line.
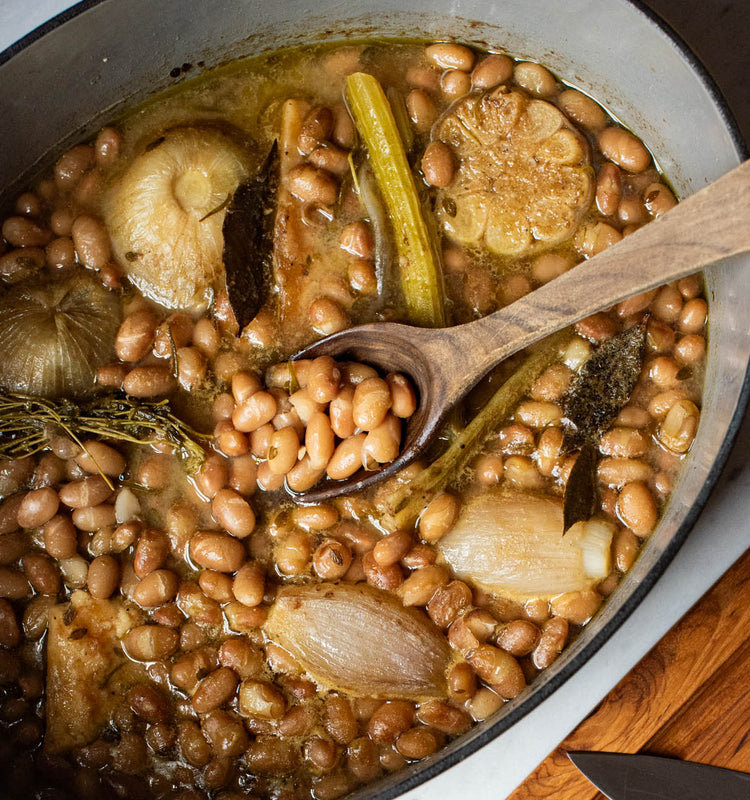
688	698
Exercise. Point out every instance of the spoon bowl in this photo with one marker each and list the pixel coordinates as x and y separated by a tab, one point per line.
446	363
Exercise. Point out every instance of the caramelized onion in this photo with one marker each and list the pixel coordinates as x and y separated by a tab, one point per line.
54	335
360	640
513	544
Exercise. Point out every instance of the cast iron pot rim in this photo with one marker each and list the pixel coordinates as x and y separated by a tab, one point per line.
442	762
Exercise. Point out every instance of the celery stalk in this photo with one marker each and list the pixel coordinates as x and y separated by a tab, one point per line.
419	266
405	502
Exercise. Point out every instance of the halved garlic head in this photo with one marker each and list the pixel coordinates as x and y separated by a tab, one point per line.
165	215
360	640
513	544
56	334
524	179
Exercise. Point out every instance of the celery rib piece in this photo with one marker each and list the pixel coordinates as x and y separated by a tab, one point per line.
419	267
407	501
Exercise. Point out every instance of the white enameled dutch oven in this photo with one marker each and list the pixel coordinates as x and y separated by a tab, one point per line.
77	71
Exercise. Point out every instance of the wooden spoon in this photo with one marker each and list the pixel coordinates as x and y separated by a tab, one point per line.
445	363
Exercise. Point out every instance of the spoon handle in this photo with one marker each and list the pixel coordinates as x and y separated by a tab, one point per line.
710	225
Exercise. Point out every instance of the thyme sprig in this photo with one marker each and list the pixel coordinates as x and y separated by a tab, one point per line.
28	423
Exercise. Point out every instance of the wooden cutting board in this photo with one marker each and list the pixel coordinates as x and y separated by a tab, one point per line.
688	698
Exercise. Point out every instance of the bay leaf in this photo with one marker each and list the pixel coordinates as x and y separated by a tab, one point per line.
595	398
603	386
581	497
248	240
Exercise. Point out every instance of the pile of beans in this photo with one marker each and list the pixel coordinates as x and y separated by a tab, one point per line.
310	419
210	706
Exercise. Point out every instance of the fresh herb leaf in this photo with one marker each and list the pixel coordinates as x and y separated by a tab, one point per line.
248	239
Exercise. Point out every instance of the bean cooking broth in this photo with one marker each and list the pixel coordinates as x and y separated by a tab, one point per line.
172	624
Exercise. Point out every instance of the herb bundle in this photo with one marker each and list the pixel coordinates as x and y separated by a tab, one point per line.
28	423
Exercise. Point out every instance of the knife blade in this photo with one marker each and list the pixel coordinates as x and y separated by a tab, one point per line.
624	776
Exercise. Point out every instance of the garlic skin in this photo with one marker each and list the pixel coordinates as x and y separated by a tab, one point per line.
360	640
54	335
165	215
513	544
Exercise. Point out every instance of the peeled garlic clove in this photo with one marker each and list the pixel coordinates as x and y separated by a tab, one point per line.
165	215
360	640
56	334
513	544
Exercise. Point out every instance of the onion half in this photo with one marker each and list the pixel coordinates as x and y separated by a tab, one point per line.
360	640
56	334
513	544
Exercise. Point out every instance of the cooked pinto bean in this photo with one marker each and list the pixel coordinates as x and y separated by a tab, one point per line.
216	585
260	699
552	641
156	588
390	720
150	642
60	539
312	185
347	458
37	507
392	548
233	513
254	412
315	518
637	509
499	669
331	560
42	573
149	381
582	109
422	109
242	657
151	552
216	689
439	516
103	576
327	316
94	518
323	379
491	71
249	584
438	164
283	450
91	241
87	492
624	149
217	551
448	602
422	584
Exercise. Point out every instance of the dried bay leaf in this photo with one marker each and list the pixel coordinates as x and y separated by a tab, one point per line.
595	398
603	386
248	240
580	490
